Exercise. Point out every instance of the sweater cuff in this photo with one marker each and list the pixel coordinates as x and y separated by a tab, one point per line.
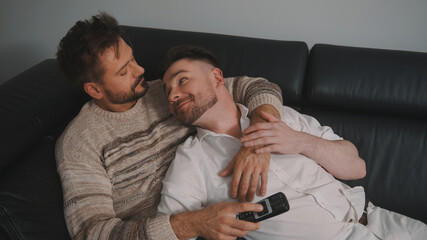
159	228
262	99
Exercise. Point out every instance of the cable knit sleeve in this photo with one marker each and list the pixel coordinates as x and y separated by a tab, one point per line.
88	202
253	92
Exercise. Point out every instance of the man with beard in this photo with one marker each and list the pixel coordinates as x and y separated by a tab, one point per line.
113	156
309	156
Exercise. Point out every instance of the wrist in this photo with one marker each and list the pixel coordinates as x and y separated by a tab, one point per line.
309	143
248	149
184	225
312	146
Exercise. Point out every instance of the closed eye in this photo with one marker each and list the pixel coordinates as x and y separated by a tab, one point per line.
181	80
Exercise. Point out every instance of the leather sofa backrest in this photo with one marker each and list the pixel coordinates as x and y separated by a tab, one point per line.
367	80
376	99
282	62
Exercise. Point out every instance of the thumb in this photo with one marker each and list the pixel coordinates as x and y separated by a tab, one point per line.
269	117
228	170
247	206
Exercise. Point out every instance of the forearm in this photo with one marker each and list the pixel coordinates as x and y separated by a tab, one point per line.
254	92
257	118
339	157
89	211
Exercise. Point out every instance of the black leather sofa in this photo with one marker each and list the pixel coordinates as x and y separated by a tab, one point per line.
375	98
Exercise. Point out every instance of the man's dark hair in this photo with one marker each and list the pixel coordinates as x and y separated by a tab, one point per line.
78	52
187	52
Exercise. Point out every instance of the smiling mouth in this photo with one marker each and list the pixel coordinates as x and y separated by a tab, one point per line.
182	104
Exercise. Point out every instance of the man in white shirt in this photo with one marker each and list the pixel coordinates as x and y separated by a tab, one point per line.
308	158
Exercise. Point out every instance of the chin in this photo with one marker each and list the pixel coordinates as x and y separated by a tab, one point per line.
183	119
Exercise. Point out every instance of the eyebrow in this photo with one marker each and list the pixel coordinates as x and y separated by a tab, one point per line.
173	76
124	65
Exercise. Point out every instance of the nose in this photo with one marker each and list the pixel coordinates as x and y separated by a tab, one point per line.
137	70
174	95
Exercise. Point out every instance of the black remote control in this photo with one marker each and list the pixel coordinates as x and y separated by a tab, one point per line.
273	205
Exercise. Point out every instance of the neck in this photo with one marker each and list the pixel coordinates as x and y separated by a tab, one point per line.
223	117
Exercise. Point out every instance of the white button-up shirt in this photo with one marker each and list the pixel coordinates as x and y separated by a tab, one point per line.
320	206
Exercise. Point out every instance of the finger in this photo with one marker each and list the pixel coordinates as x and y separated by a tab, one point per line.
244	226
244	185
269	117
258	134
272	148
264	181
229	169
257	126
236	181
262	141
253	186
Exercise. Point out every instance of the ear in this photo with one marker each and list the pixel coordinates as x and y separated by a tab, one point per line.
219	79
93	90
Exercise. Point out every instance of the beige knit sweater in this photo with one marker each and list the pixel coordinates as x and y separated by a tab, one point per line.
112	164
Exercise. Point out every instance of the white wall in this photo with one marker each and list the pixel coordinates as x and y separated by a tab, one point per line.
31	30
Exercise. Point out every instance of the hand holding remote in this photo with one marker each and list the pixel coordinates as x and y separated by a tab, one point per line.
273	205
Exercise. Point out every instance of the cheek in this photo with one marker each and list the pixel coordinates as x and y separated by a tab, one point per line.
123	84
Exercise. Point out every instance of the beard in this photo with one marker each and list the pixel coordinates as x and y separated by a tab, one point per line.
202	101
121	98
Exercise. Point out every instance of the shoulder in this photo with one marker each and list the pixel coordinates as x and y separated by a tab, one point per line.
155	86
290	114
189	151
188	156
80	133
83	121
305	123
156	96
298	121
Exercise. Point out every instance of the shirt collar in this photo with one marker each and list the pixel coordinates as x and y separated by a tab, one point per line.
244	123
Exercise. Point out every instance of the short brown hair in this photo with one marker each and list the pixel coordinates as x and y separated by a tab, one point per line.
187	52
78	52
